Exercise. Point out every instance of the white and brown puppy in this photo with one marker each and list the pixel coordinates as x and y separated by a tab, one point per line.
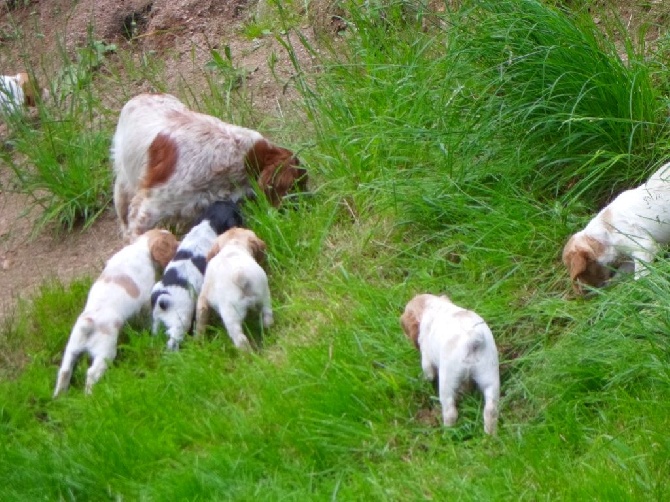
631	228
173	297
457	347
121	291
18	91
234	284
172	163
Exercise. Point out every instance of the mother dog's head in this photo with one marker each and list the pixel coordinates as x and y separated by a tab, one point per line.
276	170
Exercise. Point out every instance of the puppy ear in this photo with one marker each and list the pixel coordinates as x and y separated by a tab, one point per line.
214	250
579	256
258	249
410	325
162	246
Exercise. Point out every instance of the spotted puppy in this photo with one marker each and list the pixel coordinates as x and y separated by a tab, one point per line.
123	288
173	297
456	347
234	284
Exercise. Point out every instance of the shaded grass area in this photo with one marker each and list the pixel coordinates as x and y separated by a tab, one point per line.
435	169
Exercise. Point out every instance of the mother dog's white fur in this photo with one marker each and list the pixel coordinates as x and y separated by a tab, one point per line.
123	288
234	284
632	227
456	347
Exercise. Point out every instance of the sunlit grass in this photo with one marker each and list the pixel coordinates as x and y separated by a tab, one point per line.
431	171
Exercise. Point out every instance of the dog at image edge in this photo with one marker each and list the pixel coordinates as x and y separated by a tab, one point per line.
629	229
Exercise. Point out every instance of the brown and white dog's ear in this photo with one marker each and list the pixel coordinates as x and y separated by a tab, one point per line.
410	320
276	170
258	249
580	256
277	182
216	247
162	246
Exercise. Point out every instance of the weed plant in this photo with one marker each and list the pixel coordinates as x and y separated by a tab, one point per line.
432	171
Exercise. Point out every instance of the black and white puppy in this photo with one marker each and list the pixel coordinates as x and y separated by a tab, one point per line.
173	297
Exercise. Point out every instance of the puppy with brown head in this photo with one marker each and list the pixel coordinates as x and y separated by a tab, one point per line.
456	347
234	284
630	229
121	291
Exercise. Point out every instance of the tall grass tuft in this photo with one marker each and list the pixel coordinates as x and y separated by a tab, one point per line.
558	91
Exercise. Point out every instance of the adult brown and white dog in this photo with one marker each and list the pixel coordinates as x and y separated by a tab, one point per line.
631	228
171	162
234	284
121	291
457	347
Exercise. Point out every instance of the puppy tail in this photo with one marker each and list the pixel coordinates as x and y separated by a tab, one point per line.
242	282
86	326
475	344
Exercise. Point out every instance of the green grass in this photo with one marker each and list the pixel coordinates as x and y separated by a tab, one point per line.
432	170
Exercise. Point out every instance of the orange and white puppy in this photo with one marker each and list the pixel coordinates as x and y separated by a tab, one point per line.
631	228
171	162
456	347
234	284
17	91
121	291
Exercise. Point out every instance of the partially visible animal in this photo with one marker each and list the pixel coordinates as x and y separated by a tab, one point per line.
631	228
170	163
457	347
173	297
235	283
18	91
121	291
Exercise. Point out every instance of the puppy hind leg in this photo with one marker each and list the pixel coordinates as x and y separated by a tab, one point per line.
448	389
488	382
201	316
65	372
491	411
95	372
266	310
232	320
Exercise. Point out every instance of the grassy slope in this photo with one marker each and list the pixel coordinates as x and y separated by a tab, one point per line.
444	161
